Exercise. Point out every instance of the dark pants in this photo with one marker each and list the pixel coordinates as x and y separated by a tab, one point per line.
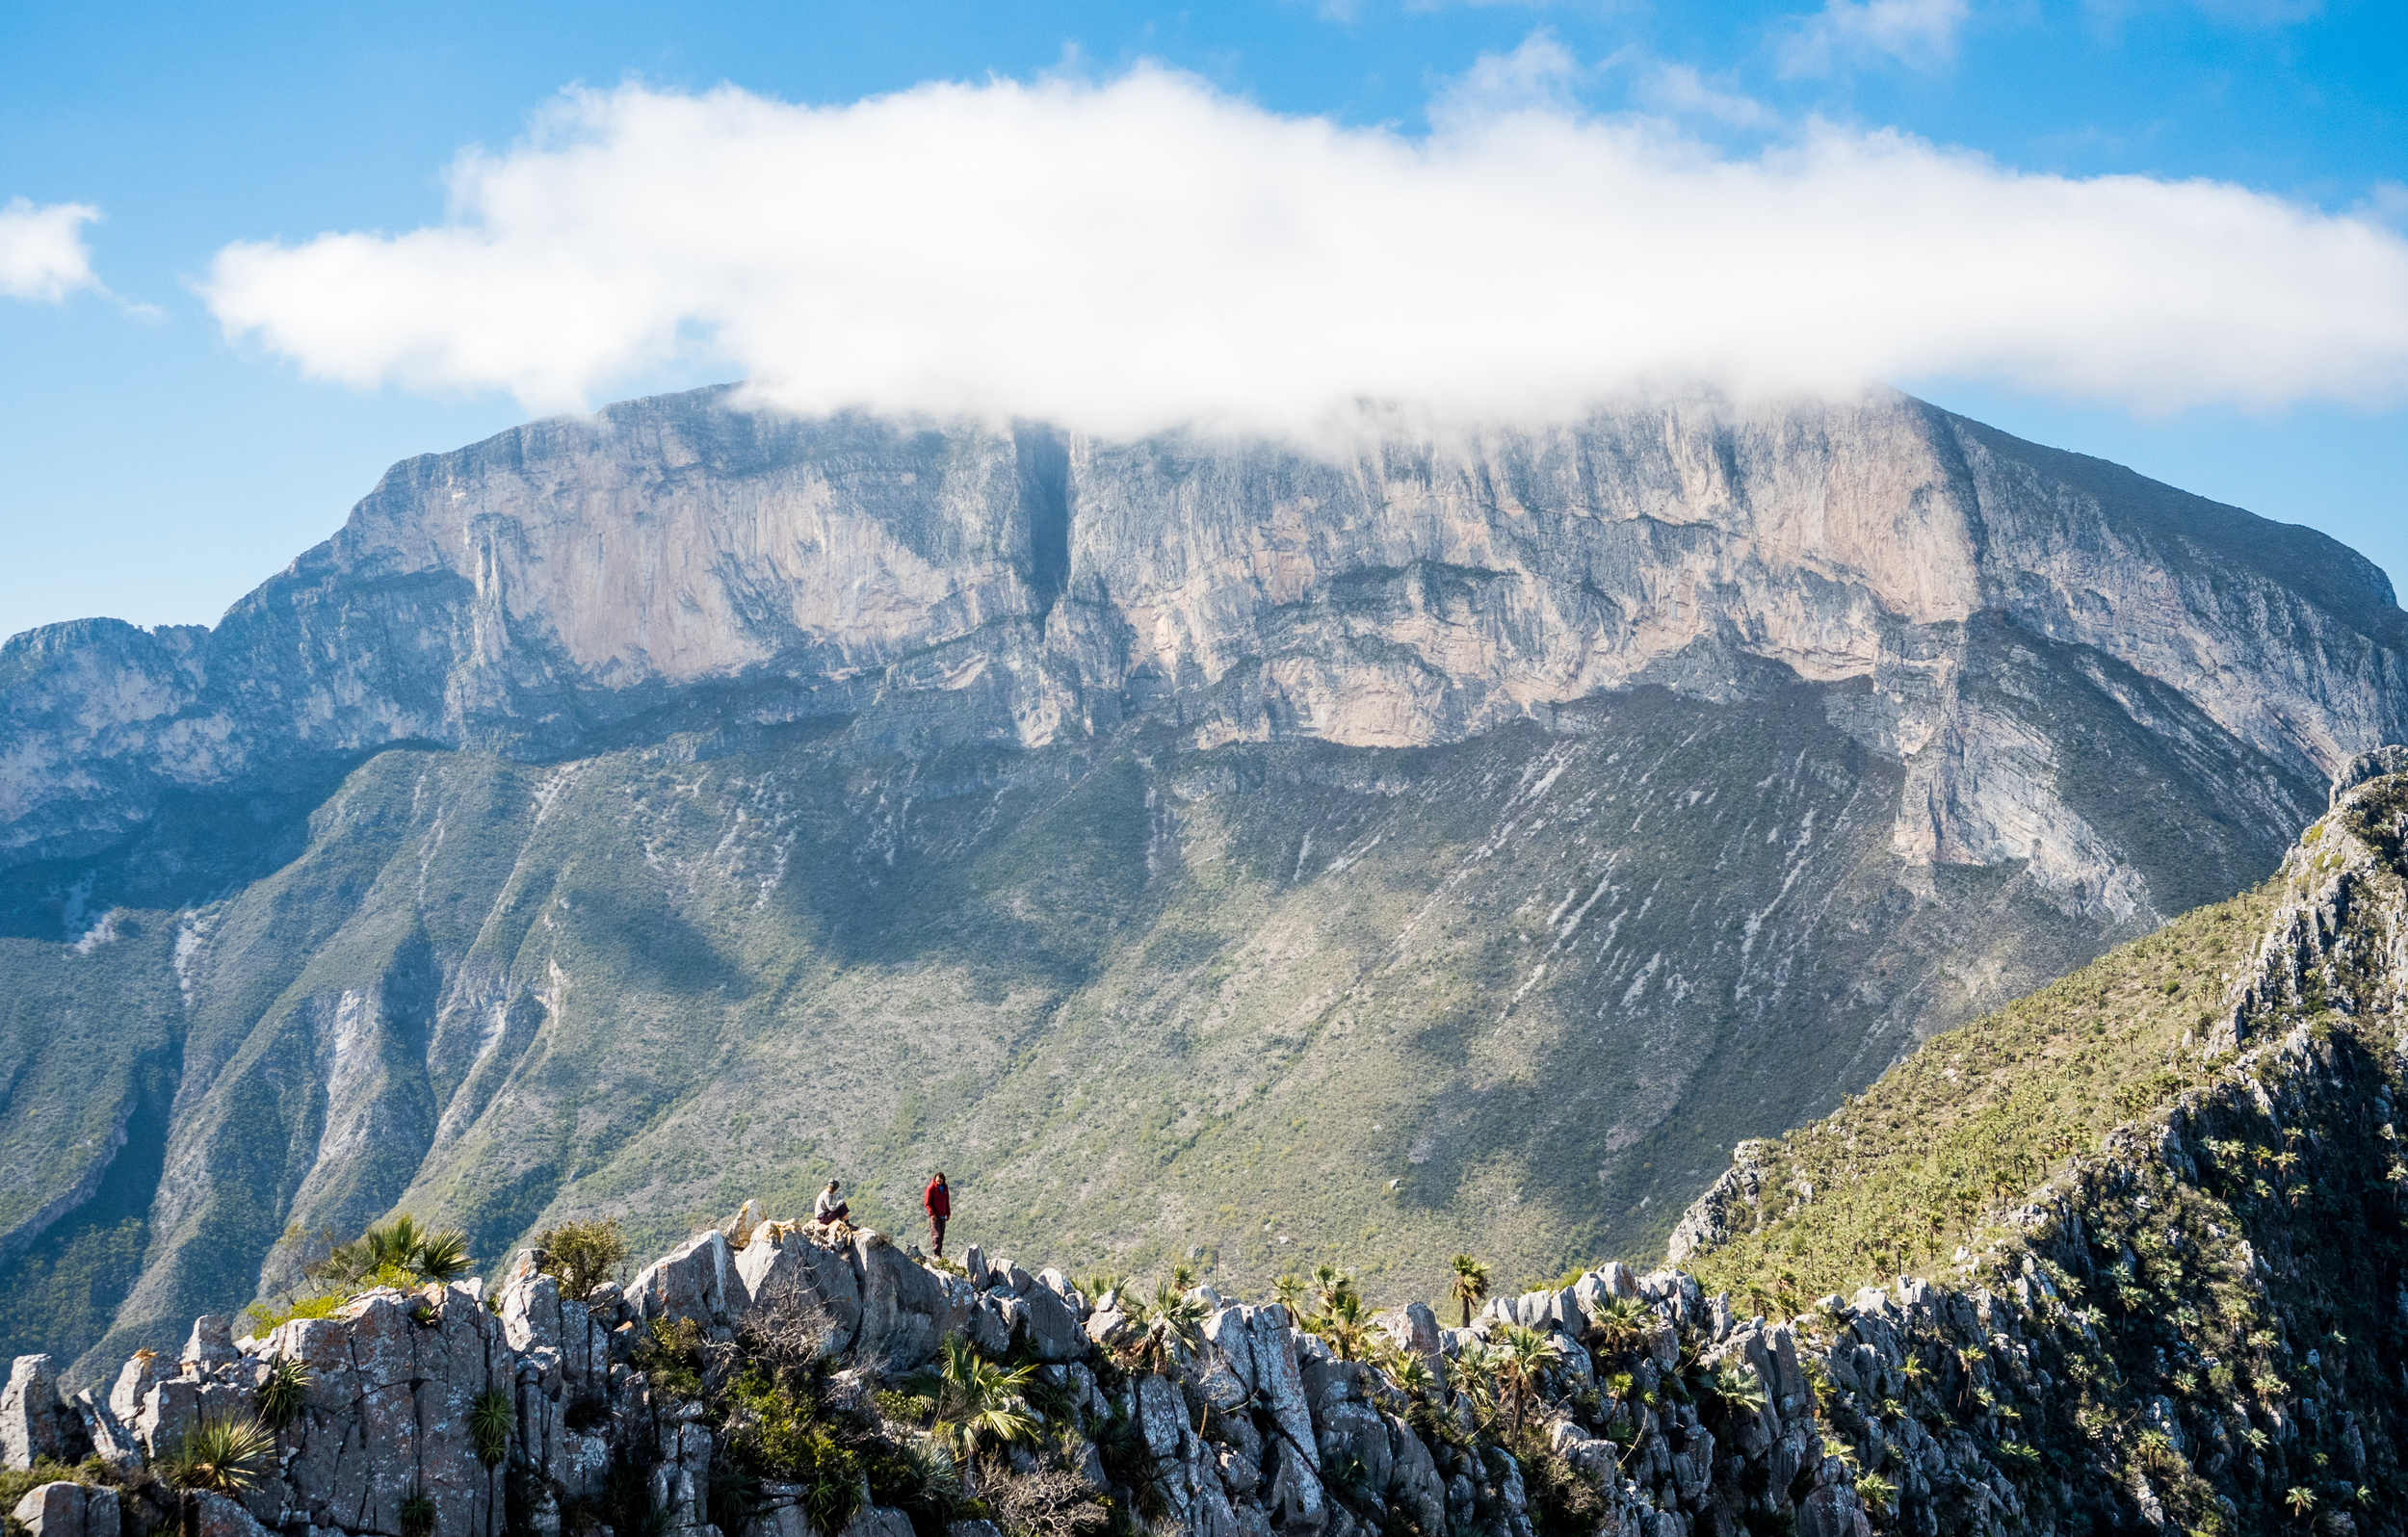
936	1234
838	1213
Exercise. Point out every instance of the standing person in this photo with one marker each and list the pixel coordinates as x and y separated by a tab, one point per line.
939	1198
829	1207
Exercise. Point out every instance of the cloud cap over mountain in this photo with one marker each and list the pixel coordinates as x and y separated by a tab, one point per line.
1130	255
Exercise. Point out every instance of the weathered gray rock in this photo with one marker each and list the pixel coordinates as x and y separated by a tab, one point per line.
694	1281
878	1521
211	1344
34	1421
212	1514
58	1510
1050	1324
905	1309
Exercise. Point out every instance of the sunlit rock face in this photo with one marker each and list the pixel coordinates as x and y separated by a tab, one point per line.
678	562
1647	779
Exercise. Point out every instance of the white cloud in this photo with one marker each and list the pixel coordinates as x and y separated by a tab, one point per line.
1133	255
1920	33
43	254
1679	90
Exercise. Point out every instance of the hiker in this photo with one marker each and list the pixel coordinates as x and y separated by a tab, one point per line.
939	1198
828	1208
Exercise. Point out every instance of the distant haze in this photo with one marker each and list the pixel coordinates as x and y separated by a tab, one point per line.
1130	255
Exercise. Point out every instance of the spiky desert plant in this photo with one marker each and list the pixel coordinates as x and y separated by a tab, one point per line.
225	1453
1468	1286
1288	1290
417	1513
282	1391
489	1422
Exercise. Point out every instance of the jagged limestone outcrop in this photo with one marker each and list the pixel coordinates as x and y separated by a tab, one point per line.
1253	1425
1118	823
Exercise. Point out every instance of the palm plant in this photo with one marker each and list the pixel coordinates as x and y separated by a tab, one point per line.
1621	1324
1172	1327
1471	1378
400	1253
1343	1322
1521	1355
1288	1290
1736	1386
1469	1285
974	1401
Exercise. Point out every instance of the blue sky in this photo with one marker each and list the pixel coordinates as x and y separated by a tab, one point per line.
158	470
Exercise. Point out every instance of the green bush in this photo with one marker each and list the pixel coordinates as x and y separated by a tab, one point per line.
582	1255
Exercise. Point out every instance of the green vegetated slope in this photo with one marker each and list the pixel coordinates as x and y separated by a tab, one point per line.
1276	1003
2168	1195
1913	1167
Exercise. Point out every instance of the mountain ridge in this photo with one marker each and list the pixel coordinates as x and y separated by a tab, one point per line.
636	803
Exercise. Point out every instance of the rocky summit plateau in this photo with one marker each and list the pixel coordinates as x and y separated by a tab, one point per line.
1243	854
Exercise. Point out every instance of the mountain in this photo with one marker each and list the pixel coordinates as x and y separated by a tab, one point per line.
2125	1256
1265	853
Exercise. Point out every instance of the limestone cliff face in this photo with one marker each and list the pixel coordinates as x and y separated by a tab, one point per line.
677	562
1478	829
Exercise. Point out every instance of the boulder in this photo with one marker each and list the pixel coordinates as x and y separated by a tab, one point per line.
1414	1328
1050	1324
57	1510
33	1421
988	1327
211	1345
1833	1511
133	1385
696	1280
108	1437
878	1521
1111	1328
212	1514
905	1311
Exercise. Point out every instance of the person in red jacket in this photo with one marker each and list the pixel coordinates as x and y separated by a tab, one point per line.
939	1200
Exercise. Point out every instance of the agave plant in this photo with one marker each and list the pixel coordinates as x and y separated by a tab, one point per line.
222	1453
489	1422
282	1391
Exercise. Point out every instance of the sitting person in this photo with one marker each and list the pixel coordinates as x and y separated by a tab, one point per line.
828	1208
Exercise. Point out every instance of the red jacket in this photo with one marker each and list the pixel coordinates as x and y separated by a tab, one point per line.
939	1200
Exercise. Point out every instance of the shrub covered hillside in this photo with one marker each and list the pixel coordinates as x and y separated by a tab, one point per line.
2170	1190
